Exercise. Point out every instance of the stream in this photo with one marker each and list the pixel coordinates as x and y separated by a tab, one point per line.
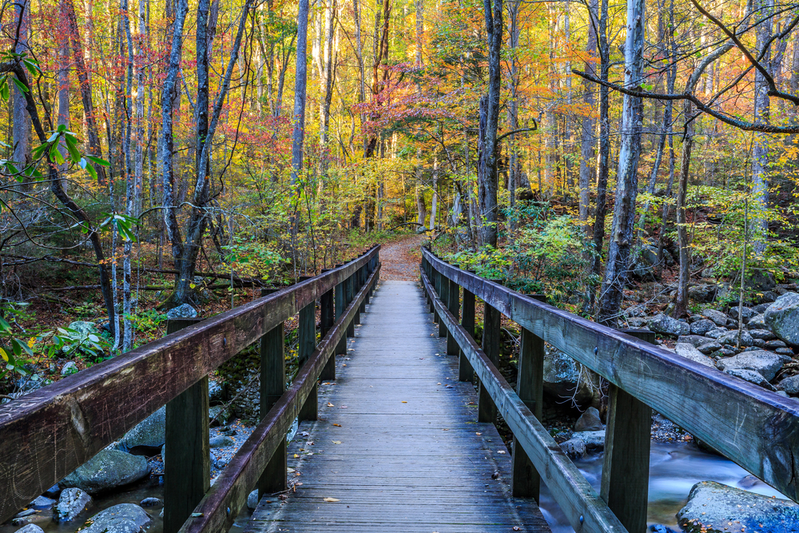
674	469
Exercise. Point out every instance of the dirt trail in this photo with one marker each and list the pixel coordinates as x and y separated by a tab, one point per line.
401	258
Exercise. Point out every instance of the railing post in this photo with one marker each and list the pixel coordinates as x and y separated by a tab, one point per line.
273	385
486	410
349	295
454	304
465	370
362	277
625	473
443	293
436	280
306	346
328	318
187	473
526	481
341	304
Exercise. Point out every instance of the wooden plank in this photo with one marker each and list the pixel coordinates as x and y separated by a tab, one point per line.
392	470
465	370
227	496
751	426
187	474
583	507
59	427
625	472
273	385
453	304
306	345
530	388
487	411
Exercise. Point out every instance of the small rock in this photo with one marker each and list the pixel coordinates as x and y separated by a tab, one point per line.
785	351
594	440
714	504
790	385
761	308
182	311
30	528
732	338
702	326
148	435
152	502
574	448
688	351
26	512
43	502
719	318
716	333
667	325
751	376
70	504
69	368
252	500
106	470
761	334
757	322
759	343
221	442
589	421
121	518
18	521
767	364
774	344
745	312
702	293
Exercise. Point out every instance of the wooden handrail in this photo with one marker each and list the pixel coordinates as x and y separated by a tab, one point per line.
578	500
55	429
755	428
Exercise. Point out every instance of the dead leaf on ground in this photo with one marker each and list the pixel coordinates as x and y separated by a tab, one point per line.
336	442
332	500
337	425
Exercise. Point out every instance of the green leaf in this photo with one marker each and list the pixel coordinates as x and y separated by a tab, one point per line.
55	154
98	161
91	171
21	86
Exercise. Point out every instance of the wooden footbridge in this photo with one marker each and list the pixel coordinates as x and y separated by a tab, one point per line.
393	436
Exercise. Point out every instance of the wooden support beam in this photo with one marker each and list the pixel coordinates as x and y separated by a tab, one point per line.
486	410
453	304
465	370
273	385
625	472
187	472
306	347
328	318
526	481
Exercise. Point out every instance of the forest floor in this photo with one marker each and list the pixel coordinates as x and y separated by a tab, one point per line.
401	258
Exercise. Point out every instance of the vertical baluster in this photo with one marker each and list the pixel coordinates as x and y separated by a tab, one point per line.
625	473
436	283
454	304
340	306
443	292
526	481
273	385
306	346
361	283
486	410
349	294
328	318
187	472
465	370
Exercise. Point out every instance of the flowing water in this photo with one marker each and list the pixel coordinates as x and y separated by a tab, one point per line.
673	469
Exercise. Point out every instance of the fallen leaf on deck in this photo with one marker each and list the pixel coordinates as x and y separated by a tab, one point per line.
332	500
337	425
330	404
404	401
336	442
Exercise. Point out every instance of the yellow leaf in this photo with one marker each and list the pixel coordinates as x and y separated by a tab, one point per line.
332	500
31	342
337	425
192	285
4	355
336	442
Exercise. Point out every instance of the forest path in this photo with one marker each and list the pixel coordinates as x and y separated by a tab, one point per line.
400	259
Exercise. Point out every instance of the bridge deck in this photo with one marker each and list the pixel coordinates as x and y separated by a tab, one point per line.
397	446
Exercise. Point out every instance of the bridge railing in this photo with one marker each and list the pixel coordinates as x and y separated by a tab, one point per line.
755	428
48	433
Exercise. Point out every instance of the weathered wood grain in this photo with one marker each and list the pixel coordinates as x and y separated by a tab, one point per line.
453	304
583	507
487	411
530	388
228	495
57	428
465	370
753	427
273	385
306	345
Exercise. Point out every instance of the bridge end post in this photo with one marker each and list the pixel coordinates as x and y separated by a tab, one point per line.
625	473
187	474
273	385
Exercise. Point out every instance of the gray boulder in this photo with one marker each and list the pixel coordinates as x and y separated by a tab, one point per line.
706	345
762	280
69	368
181	311
70	504
713	508
563	378
221	442
589	421
746	312
790	385
688	351
757	322
574	448
252	500
751	376
774	344
767	364
121	518
30	528
148	435
43	502
732	338
107	470
785	351
667	325
763	334
782	317
594	440
84	327
702	293
719	318
702	326
716	333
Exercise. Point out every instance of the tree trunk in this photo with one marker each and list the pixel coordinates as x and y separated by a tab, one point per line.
298	137
514	163
434	202
587	132
627	177
21	129
760	146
